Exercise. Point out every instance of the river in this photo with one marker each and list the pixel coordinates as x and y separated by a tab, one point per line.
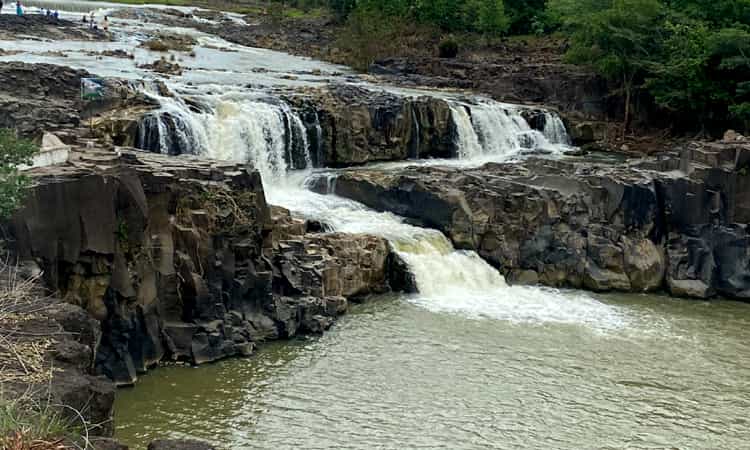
655	373
470	362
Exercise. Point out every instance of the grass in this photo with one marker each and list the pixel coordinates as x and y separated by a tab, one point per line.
29	425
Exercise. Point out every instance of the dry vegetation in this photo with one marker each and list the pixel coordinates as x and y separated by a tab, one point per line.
28	419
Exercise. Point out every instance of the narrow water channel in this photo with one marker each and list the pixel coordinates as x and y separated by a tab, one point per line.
398	375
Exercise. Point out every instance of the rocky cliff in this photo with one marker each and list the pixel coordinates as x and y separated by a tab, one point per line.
348	125
181	259
635	227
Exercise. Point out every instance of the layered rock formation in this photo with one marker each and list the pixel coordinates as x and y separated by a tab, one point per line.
635	227
178	259
348	125
43	97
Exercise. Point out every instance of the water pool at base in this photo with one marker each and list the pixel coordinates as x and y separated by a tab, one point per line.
397	374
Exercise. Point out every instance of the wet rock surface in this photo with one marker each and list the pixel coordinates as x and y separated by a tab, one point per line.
636	227
39	96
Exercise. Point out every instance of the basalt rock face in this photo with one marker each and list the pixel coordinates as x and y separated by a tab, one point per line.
35	97
178	259
581	224
348	126
43	97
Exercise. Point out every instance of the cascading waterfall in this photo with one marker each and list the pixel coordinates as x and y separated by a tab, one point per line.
467	141
554	130
448	279
495	130
267	133
275	140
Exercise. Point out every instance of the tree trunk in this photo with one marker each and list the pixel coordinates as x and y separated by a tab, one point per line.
626	119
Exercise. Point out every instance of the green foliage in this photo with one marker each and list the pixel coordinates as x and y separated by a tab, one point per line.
616	38
680	80
692	55
13	152
526	16
718	13
448	48
482	16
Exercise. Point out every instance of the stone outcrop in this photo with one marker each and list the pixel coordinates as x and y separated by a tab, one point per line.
179	444
43	97
636	227
39	96
57	342
178	259
348	125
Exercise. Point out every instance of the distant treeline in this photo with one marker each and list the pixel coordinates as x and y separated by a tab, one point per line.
691	56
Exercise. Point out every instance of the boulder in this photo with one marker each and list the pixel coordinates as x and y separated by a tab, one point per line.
179	444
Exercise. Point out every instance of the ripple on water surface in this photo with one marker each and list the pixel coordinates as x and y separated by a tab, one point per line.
394	375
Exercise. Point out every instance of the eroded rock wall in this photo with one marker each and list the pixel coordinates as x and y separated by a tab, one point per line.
586	225
179	259
348	125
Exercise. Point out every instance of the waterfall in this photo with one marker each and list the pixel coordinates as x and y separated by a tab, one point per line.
271	135
467	141
318	140
448	280
263	131
489	129
554	130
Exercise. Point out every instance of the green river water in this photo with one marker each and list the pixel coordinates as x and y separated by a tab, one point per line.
395	375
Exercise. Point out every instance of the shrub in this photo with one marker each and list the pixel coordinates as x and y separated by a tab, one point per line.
14	151
448	49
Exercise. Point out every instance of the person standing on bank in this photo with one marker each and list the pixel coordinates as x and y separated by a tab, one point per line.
19	9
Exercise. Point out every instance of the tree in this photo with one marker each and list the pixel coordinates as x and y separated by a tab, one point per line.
13	185
617	38
680	80
730	57
719	13
523	13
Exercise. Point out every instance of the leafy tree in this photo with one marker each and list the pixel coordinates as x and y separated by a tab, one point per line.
680	80
617	38
13	152
730	57
484	16
523	14
721	13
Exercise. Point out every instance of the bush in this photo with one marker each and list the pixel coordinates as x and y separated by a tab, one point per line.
14	151
448	49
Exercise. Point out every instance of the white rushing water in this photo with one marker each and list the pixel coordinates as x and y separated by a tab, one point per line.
491	130
449	280
232	127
